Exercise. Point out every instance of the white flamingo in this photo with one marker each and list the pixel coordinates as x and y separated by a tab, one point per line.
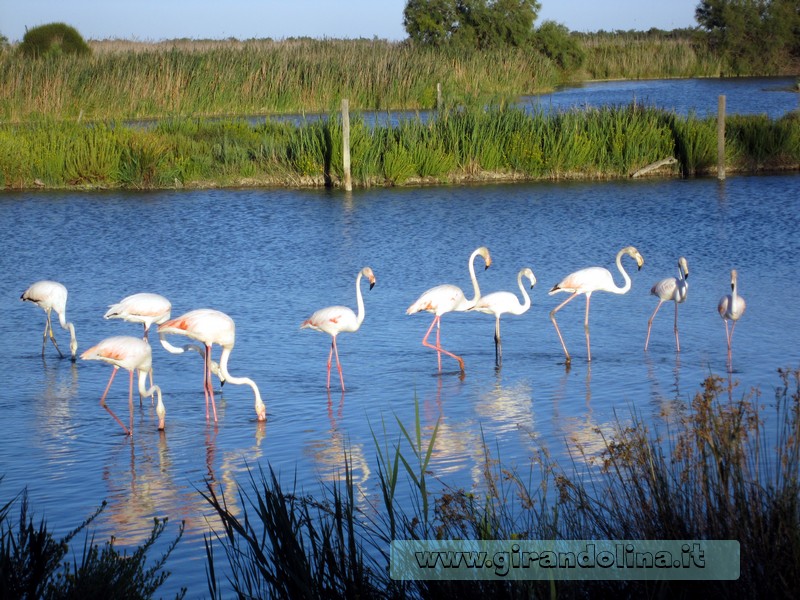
148	309
731	308
209	327
51	295
449	298
335	319
670	289
132	354
499	303
589	280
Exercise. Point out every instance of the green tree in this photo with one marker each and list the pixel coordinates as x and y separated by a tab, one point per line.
753	35
554	41
53	38
471	24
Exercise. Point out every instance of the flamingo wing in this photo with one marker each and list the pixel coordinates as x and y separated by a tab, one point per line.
332	320
439	300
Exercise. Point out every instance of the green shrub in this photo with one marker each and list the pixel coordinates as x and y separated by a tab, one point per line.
53	39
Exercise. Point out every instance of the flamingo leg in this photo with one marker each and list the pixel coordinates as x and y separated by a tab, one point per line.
130	401
48	331
330	362
208	387
553	319
338	364
498	347
438	346
650	322
677	339
586	328
103	401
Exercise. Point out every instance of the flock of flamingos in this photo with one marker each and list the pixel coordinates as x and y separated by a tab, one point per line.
209	326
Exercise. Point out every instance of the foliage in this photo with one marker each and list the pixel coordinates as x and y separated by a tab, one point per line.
53	39
554	41
32	562
754	36
470	24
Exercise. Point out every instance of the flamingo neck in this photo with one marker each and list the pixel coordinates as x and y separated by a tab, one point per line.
527	303
161	411
476	289
627	286
223	368
359	301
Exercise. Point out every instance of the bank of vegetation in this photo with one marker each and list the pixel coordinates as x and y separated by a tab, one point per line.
458	146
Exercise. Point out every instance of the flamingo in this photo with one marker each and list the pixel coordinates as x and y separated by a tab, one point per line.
498	303
210	327
51	295
132	354
731	307
148	309
335	319
447	298
586	281
674	289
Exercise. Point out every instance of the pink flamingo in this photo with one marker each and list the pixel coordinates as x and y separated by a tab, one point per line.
674	289
449	298
132	354
731	307
51	295
586	281
210	327
498	303
335	319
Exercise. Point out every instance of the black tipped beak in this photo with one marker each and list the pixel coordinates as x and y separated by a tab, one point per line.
371	284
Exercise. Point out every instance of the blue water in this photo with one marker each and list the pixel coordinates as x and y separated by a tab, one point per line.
269	258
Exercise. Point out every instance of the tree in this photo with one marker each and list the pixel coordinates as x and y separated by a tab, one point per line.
471	24
753	34
554	41
54	38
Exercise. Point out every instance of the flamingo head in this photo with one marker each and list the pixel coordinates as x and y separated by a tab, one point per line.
367	272
527	272
483	252
634	254
261	411
734	277
73	348
684	267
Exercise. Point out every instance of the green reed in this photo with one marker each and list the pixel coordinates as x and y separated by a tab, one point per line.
714	473
458	145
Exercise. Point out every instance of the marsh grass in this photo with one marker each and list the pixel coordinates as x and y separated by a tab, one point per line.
716	472
459	145
33	565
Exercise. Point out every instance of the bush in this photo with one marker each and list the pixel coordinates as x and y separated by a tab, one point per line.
53	39
554	41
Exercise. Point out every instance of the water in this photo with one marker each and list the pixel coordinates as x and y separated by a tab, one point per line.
269	258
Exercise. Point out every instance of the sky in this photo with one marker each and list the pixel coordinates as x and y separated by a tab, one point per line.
155	20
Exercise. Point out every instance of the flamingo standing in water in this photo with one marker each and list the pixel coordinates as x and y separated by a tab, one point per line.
51	295
731	307
335	319
148	309
449	298
132	354
210	327
498	303
586	281
674	289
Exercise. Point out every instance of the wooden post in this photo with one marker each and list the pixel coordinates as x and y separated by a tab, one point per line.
438	96
348	181
721	137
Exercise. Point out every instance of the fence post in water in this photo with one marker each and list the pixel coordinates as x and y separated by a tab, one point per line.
348	181
721	137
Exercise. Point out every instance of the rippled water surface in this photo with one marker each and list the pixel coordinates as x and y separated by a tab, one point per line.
269	258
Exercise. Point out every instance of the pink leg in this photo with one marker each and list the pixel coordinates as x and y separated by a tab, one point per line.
438	346
650	323
553	319
586	327
330	361
338	364
103	401
130	400
677	339
208	386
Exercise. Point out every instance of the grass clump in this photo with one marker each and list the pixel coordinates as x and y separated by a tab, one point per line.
33	565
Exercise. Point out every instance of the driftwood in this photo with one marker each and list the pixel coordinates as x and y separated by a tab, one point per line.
670	160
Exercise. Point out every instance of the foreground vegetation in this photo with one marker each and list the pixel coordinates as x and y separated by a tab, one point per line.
717	472
459	145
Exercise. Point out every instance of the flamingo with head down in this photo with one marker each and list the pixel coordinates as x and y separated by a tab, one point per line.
52	296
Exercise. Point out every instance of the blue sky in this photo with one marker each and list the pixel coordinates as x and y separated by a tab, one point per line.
153	20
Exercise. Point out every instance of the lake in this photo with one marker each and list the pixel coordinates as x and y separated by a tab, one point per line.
269	258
